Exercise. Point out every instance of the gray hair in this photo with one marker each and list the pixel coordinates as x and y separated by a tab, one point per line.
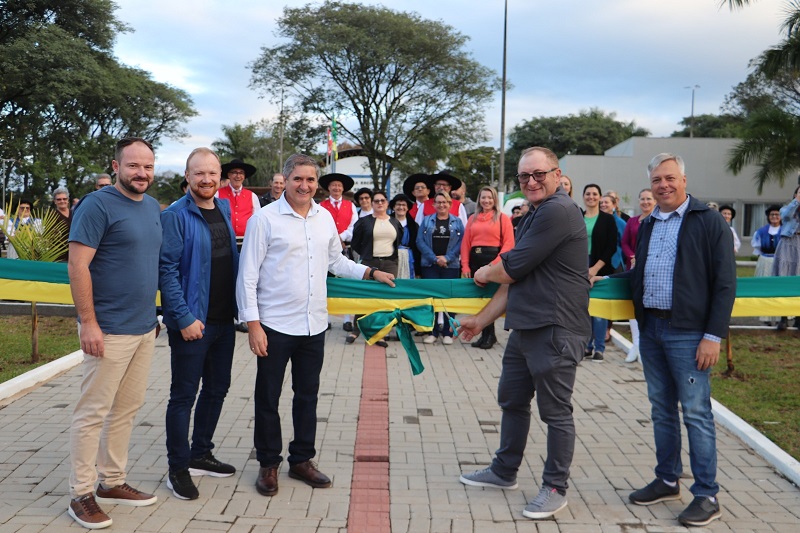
662	158
299	160
61	190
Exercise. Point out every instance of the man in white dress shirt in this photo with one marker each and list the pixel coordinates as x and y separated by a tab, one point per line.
289	247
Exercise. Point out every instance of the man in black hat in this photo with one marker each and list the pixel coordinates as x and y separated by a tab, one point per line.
244	203
343	212
417	187
443	182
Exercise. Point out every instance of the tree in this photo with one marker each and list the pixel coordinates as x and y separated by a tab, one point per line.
589	132
390	78
786	55
475	167
725	126
65	100
258	143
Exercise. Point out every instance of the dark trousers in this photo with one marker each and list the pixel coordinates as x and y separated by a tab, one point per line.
437	272
538	362
306	352
384	264
208	360
481	256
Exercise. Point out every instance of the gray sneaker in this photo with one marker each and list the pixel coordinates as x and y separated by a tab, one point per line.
487	478
547	503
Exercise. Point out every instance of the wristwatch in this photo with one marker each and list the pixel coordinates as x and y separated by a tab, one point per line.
372	273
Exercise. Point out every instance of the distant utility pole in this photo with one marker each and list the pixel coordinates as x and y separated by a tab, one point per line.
280	125
691	118
501	181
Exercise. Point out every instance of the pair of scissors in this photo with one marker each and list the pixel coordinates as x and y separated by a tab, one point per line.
454	323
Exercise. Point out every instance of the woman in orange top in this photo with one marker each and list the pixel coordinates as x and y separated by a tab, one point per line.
488	234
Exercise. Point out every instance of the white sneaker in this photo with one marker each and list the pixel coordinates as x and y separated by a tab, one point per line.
447	340
430	339
633	354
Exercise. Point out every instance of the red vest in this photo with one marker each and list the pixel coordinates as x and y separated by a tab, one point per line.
429	209
341	216
241	208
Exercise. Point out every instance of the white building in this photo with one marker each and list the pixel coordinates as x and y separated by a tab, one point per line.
355	165
623	169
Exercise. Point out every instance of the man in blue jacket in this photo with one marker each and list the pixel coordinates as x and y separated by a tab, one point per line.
197	277
684	286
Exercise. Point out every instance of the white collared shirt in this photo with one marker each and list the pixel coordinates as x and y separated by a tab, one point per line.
283	268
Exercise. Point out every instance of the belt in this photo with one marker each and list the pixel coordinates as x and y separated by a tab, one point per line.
665	314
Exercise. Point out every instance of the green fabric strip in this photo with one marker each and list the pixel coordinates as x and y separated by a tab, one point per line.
421	315
33	271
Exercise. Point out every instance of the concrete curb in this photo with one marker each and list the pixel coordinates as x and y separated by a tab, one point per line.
784	463
30	379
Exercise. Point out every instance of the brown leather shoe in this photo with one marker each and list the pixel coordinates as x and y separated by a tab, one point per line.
267	482
308	473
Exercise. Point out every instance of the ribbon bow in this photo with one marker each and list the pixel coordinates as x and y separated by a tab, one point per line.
376	325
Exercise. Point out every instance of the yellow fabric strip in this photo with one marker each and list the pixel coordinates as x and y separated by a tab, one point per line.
364	306
35	291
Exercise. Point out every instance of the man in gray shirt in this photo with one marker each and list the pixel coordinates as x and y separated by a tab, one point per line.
544	291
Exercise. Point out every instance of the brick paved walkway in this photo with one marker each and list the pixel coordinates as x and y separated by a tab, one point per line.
441	422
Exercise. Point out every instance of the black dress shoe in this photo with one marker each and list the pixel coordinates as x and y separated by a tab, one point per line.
351	338
382	343
241	326
477	343
267	482
308	473
347	326
488	342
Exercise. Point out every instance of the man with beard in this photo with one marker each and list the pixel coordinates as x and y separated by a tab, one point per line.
113	271
197	276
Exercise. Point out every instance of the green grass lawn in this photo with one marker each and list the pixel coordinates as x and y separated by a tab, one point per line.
764	388
58	336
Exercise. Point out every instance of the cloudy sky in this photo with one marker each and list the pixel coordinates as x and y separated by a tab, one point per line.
631	57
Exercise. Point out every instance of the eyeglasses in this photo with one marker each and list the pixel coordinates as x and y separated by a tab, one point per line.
538	175
236	172
101	185
379	201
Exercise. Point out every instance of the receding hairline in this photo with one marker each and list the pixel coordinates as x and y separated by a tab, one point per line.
548	153
202	150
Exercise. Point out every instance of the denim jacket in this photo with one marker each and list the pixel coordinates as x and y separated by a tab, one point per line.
790	222
184	267
425	241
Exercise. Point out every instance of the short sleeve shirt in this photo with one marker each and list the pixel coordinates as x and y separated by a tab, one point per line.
126	235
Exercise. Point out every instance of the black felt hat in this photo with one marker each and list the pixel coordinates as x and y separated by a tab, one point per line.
729	208
346	181
413	179
249	170
400	198
454	182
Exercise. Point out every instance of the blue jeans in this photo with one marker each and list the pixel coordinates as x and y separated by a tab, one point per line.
306	352
437	272
670	369
599	330
542	363
208	359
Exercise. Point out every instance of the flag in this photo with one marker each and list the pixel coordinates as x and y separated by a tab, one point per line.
330	142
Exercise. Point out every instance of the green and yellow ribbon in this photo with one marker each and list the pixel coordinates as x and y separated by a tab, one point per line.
377	325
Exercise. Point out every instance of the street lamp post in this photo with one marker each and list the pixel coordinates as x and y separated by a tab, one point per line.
501	184
691	118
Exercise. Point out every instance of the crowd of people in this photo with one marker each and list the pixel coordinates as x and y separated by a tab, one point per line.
225	259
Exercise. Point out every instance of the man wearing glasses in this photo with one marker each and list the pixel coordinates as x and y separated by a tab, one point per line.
544	293
443	182
103	180
64	214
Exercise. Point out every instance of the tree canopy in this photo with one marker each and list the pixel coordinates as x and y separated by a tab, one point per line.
476	167
390	78
589	132
65	99
724	126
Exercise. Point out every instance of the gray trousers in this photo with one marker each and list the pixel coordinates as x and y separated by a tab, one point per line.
542	363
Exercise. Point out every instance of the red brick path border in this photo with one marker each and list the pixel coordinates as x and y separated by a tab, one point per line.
369	492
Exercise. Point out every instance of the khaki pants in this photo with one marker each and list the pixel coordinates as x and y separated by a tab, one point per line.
112	392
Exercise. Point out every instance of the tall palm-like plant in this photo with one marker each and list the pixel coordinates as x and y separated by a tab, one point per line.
786	55
41	240
771	140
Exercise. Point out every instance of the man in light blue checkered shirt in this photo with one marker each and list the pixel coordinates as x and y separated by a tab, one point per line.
684	286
